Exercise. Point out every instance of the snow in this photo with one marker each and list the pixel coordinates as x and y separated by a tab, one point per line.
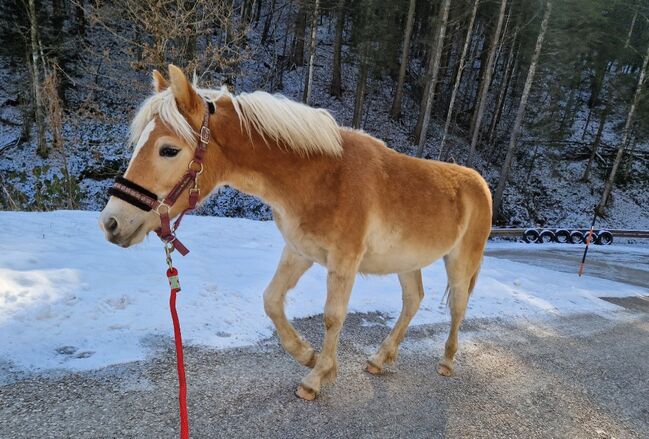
71	300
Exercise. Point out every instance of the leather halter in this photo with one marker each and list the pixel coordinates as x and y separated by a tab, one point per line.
146	200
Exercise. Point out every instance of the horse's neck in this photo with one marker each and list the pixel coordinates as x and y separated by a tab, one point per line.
255	167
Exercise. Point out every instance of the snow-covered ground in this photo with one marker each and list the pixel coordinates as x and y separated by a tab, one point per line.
69	299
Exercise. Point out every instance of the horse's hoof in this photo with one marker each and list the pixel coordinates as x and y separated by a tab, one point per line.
444	370
372	368
305	393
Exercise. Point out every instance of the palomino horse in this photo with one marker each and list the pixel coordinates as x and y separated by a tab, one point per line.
340	198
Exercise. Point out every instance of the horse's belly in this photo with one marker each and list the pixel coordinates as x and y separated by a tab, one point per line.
400	260
389	250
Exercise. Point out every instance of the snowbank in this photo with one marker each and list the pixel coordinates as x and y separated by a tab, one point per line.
69	299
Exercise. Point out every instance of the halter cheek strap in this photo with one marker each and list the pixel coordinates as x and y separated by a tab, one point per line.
146	200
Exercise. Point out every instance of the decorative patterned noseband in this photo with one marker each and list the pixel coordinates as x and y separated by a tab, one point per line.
146	200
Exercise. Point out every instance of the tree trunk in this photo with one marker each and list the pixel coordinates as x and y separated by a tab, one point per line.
189	46
500	102
360	89
520	114
625	136
336	73
629	158
433	70
80	18
458	78
598	139
35	68
269	19
257	12
298	38
631	26
486	81
306	97
395	111
57	18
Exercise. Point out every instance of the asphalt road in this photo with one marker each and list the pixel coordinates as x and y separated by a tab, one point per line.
630	265
583	377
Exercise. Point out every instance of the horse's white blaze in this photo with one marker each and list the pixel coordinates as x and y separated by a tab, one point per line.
144	137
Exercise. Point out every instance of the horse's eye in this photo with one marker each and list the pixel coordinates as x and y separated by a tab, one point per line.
168	151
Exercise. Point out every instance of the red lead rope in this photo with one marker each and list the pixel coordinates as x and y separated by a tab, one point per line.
172	275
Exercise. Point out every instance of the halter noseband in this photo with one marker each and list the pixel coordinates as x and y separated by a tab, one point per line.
146	200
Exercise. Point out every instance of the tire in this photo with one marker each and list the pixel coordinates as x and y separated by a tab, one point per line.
530	236
576	237
594	238
604	237
547	236
562	236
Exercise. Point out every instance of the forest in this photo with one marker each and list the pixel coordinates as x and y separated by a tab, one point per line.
545	98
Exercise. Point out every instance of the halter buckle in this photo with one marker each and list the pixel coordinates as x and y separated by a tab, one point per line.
157	209
205	135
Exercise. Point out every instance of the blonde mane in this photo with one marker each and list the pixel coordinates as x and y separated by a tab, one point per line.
292	125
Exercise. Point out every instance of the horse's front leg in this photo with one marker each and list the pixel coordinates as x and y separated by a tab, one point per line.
291	267
340	280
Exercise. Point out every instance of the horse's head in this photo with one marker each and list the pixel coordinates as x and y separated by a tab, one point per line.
165	135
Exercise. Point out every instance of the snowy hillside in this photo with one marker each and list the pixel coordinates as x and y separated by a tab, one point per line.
69	299
544	186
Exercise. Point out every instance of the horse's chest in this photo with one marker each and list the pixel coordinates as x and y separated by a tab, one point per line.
301	241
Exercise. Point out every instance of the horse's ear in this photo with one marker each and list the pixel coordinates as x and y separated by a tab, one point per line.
183	90
159	82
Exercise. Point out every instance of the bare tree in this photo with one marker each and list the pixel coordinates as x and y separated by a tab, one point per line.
484	85
306	97
395	111
168	30
458	78
625	136
433	70
520	114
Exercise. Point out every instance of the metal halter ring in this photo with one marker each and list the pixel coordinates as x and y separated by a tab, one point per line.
194	162
157	209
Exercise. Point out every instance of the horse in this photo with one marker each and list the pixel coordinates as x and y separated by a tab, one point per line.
340	198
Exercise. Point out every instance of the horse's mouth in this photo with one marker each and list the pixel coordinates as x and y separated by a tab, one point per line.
129	240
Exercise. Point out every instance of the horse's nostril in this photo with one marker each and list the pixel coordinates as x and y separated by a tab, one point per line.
111	224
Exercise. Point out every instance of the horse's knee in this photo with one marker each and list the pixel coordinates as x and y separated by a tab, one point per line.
272	305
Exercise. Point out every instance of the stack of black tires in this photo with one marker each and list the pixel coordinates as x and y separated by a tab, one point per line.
565	236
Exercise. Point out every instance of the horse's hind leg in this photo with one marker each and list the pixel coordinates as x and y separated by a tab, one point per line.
412	292
462	267
291	268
